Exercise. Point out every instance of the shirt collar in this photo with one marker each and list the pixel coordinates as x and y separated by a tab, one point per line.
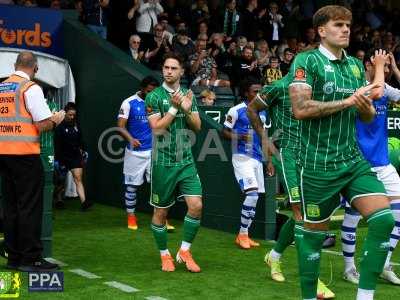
329	55
169	90
138	97
22	74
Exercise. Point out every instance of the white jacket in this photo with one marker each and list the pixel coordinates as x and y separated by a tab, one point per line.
148	13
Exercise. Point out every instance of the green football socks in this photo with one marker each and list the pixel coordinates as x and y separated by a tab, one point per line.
309	245
160	235
190	228
375	248
286	236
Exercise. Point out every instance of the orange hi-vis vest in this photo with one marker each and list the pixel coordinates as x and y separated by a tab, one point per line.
18	134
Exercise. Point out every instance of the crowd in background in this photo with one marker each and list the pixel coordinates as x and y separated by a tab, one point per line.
222	41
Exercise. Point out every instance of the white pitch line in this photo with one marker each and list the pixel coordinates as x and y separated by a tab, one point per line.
332	252
123	287
56	261
154	298
84	273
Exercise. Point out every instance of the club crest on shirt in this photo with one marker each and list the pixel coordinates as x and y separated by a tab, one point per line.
229	119
356	71
300	75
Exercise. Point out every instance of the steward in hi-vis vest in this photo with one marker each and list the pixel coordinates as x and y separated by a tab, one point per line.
24	114
18	134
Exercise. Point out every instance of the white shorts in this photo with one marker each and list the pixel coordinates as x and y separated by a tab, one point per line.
137	165
390	179
248	172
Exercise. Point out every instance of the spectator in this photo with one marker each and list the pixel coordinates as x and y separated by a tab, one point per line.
275	25
157	47
183	46
244	67
94	15
272	72
207	97
134	48
249	20
288	56
202	28
360	54
218	51
122	22
230	19
176	13
310	37
199	12
241	43
202	37
69	151
301	46
148	11
204	67
164	21
262	54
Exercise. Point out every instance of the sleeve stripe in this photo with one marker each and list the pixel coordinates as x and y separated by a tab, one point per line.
298	83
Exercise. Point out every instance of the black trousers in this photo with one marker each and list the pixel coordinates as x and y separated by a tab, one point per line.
22	189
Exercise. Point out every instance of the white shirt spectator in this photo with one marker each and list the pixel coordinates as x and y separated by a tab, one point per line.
148	15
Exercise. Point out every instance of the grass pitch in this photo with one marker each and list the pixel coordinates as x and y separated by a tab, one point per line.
99	242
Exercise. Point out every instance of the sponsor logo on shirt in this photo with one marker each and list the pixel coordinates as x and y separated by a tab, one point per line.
328	87
328	68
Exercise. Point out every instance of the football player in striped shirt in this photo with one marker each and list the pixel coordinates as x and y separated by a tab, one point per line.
172	111
327	95
275	98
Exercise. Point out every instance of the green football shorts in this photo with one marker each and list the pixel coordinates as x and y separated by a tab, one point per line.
287	169
320	190
169	183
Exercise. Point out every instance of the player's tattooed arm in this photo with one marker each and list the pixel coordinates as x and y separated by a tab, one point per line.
304	107
253	109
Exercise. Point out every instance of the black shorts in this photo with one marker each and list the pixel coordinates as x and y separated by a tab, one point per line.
73	163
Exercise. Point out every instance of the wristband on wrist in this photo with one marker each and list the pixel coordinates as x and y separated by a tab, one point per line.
173	111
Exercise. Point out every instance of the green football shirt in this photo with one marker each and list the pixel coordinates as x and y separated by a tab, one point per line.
174	147
329	142
275	97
